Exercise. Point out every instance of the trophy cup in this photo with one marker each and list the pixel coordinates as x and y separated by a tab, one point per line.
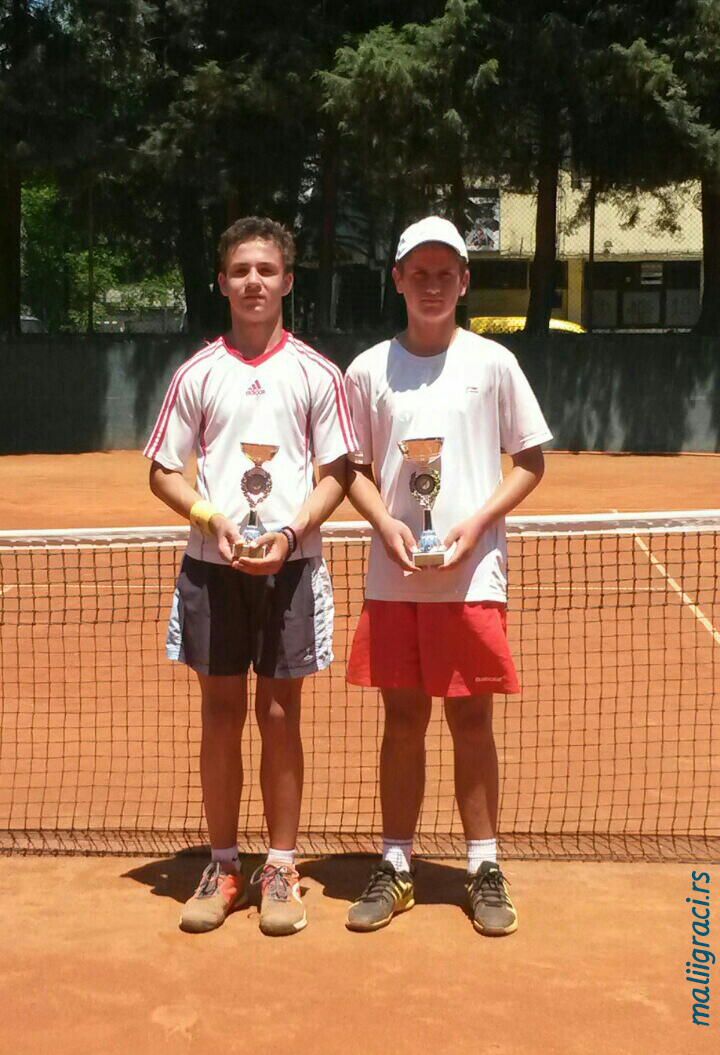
256	486
425	487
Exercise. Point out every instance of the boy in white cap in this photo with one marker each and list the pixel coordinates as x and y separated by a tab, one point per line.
439	631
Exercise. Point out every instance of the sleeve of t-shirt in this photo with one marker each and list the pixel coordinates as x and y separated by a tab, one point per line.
359	400
330	422
522	424
176	430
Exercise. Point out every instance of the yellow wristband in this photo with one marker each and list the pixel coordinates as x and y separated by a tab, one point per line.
201	514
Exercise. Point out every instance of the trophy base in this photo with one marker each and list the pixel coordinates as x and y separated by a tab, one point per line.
431	559
244	549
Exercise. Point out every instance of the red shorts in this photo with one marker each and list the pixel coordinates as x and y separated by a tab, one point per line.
447	647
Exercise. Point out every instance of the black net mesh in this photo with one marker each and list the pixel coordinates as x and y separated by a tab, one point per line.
611	750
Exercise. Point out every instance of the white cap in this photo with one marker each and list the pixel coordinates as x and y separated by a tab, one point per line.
431	229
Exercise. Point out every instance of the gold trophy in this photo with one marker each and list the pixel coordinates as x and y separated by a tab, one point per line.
425	487
256	486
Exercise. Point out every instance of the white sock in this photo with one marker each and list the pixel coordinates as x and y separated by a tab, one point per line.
229	857
281	857
398	852
479	850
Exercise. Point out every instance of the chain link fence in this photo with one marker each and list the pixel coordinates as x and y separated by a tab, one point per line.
626	262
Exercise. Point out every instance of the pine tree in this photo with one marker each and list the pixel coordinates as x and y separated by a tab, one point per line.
69	84
401	97
26	32
657	118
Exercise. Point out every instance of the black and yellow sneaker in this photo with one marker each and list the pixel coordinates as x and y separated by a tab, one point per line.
491	910
387	893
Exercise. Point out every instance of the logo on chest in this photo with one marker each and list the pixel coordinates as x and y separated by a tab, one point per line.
255	389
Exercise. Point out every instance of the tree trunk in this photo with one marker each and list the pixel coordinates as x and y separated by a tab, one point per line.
10	215
590	285
708	325
294	190
326	252
234	208
193	262
458	201
91	262
542	278
393	305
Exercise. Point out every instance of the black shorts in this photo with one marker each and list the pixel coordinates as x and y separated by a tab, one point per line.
223	620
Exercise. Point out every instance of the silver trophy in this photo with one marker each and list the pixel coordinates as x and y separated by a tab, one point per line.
256	486
425	487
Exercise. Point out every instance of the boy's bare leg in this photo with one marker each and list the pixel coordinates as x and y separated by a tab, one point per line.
222	885
476	789
277	707
224	707
402	760
476	763
402	784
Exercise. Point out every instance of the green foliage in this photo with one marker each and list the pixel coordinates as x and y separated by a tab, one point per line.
112	298
402	99
104	272
156	291
46	235
172	117
56	266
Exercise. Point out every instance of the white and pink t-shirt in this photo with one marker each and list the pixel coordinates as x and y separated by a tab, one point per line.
290	396
476	398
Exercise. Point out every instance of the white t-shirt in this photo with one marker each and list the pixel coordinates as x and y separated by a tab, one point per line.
476	398
290	396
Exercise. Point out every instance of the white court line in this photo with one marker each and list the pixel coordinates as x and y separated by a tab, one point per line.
58	589
686	599
588	589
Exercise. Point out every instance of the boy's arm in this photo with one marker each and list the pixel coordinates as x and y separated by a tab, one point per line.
396	537
171	487
322	502
525	475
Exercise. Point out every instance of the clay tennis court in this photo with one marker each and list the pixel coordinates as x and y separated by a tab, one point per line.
585	749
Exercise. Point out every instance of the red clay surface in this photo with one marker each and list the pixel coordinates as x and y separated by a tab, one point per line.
94	960
110	489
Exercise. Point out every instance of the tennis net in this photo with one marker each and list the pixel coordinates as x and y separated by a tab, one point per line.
611	750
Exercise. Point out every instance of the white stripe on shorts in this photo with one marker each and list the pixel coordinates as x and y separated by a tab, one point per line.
324	613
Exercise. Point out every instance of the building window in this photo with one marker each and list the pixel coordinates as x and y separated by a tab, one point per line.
632	294
510	274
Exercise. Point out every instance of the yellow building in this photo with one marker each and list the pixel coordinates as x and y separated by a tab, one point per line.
648	258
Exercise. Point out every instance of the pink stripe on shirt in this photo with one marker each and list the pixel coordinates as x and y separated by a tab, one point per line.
340	395
163	418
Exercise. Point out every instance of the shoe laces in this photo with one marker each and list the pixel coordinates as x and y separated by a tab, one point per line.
383	881
211	879
489	886
276	881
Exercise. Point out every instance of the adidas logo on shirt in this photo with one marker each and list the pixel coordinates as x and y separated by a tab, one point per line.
256	389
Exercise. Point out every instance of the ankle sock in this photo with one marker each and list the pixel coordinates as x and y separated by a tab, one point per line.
281	857
398	852
229	858
479	850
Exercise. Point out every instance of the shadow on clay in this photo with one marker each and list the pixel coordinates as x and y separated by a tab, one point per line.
344	876
177	877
